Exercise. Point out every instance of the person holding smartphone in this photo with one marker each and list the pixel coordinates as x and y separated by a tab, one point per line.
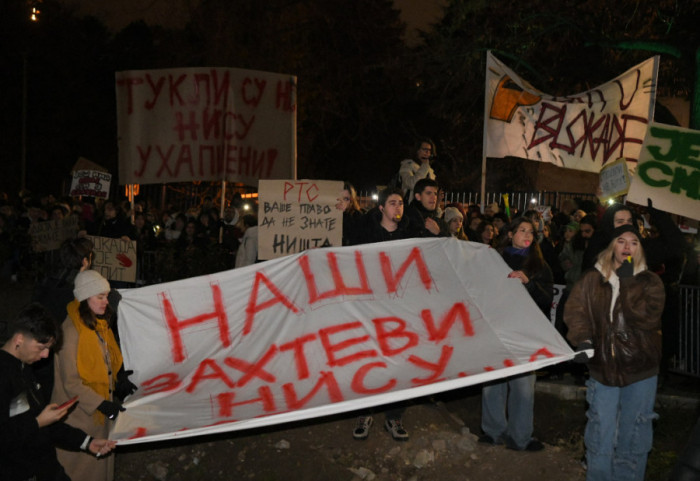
29	428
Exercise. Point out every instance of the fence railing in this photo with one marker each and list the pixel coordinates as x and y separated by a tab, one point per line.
687	359
521	201
186	195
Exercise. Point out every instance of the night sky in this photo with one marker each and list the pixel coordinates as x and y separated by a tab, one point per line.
418	14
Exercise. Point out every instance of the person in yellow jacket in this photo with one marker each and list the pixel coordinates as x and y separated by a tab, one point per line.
89	365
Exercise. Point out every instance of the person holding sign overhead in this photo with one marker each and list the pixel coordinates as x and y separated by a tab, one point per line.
90	366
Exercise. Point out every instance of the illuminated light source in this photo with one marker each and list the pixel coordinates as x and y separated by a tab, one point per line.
533	201
611	201
375	197
34	17
246	207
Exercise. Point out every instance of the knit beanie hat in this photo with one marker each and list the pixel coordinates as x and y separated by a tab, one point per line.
452	213
626	228
89	283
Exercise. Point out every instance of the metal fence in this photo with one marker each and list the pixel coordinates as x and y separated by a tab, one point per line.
687	359
521	201
186	195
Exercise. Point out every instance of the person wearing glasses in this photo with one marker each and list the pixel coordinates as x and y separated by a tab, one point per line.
417	168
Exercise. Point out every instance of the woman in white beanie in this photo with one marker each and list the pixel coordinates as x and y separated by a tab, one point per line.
88	366
454	218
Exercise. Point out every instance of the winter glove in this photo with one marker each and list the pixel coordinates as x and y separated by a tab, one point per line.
626	269
581	357
124	387
110	409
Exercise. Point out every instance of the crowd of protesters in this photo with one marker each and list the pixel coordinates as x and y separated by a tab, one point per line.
564	246
172	243
181	237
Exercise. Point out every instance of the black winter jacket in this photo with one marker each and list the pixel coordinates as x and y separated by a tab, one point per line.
27	450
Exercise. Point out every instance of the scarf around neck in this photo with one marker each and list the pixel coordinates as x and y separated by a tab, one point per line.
91	360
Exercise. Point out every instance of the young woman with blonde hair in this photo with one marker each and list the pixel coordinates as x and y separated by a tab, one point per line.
616	310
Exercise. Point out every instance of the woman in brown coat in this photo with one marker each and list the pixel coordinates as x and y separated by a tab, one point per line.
616	310
87	366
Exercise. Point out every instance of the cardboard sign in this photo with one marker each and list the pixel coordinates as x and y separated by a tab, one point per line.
323	332
295	215
90	183
669	171
50	234
582	131
115	259
184	124
614	179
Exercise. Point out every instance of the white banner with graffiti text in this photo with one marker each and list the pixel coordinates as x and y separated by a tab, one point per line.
581	131
669	171
205	124
322	332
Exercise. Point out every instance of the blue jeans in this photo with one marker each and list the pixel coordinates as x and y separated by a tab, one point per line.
507	414
619	431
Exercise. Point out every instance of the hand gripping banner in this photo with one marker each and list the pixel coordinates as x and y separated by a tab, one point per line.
322	332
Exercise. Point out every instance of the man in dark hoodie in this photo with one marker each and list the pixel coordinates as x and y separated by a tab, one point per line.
423	215
386	222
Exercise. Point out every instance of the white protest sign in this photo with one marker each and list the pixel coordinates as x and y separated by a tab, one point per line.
115	259
323	332
50	234
580	131
545	211
90	183
295	215
614	179
669	171
184	124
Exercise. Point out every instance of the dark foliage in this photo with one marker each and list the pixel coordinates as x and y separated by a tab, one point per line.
364	97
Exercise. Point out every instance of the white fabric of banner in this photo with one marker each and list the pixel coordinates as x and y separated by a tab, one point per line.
322	332
581	131
205	124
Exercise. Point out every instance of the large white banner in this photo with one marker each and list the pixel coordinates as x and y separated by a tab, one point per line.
179	125
322	332
581	131
669	171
